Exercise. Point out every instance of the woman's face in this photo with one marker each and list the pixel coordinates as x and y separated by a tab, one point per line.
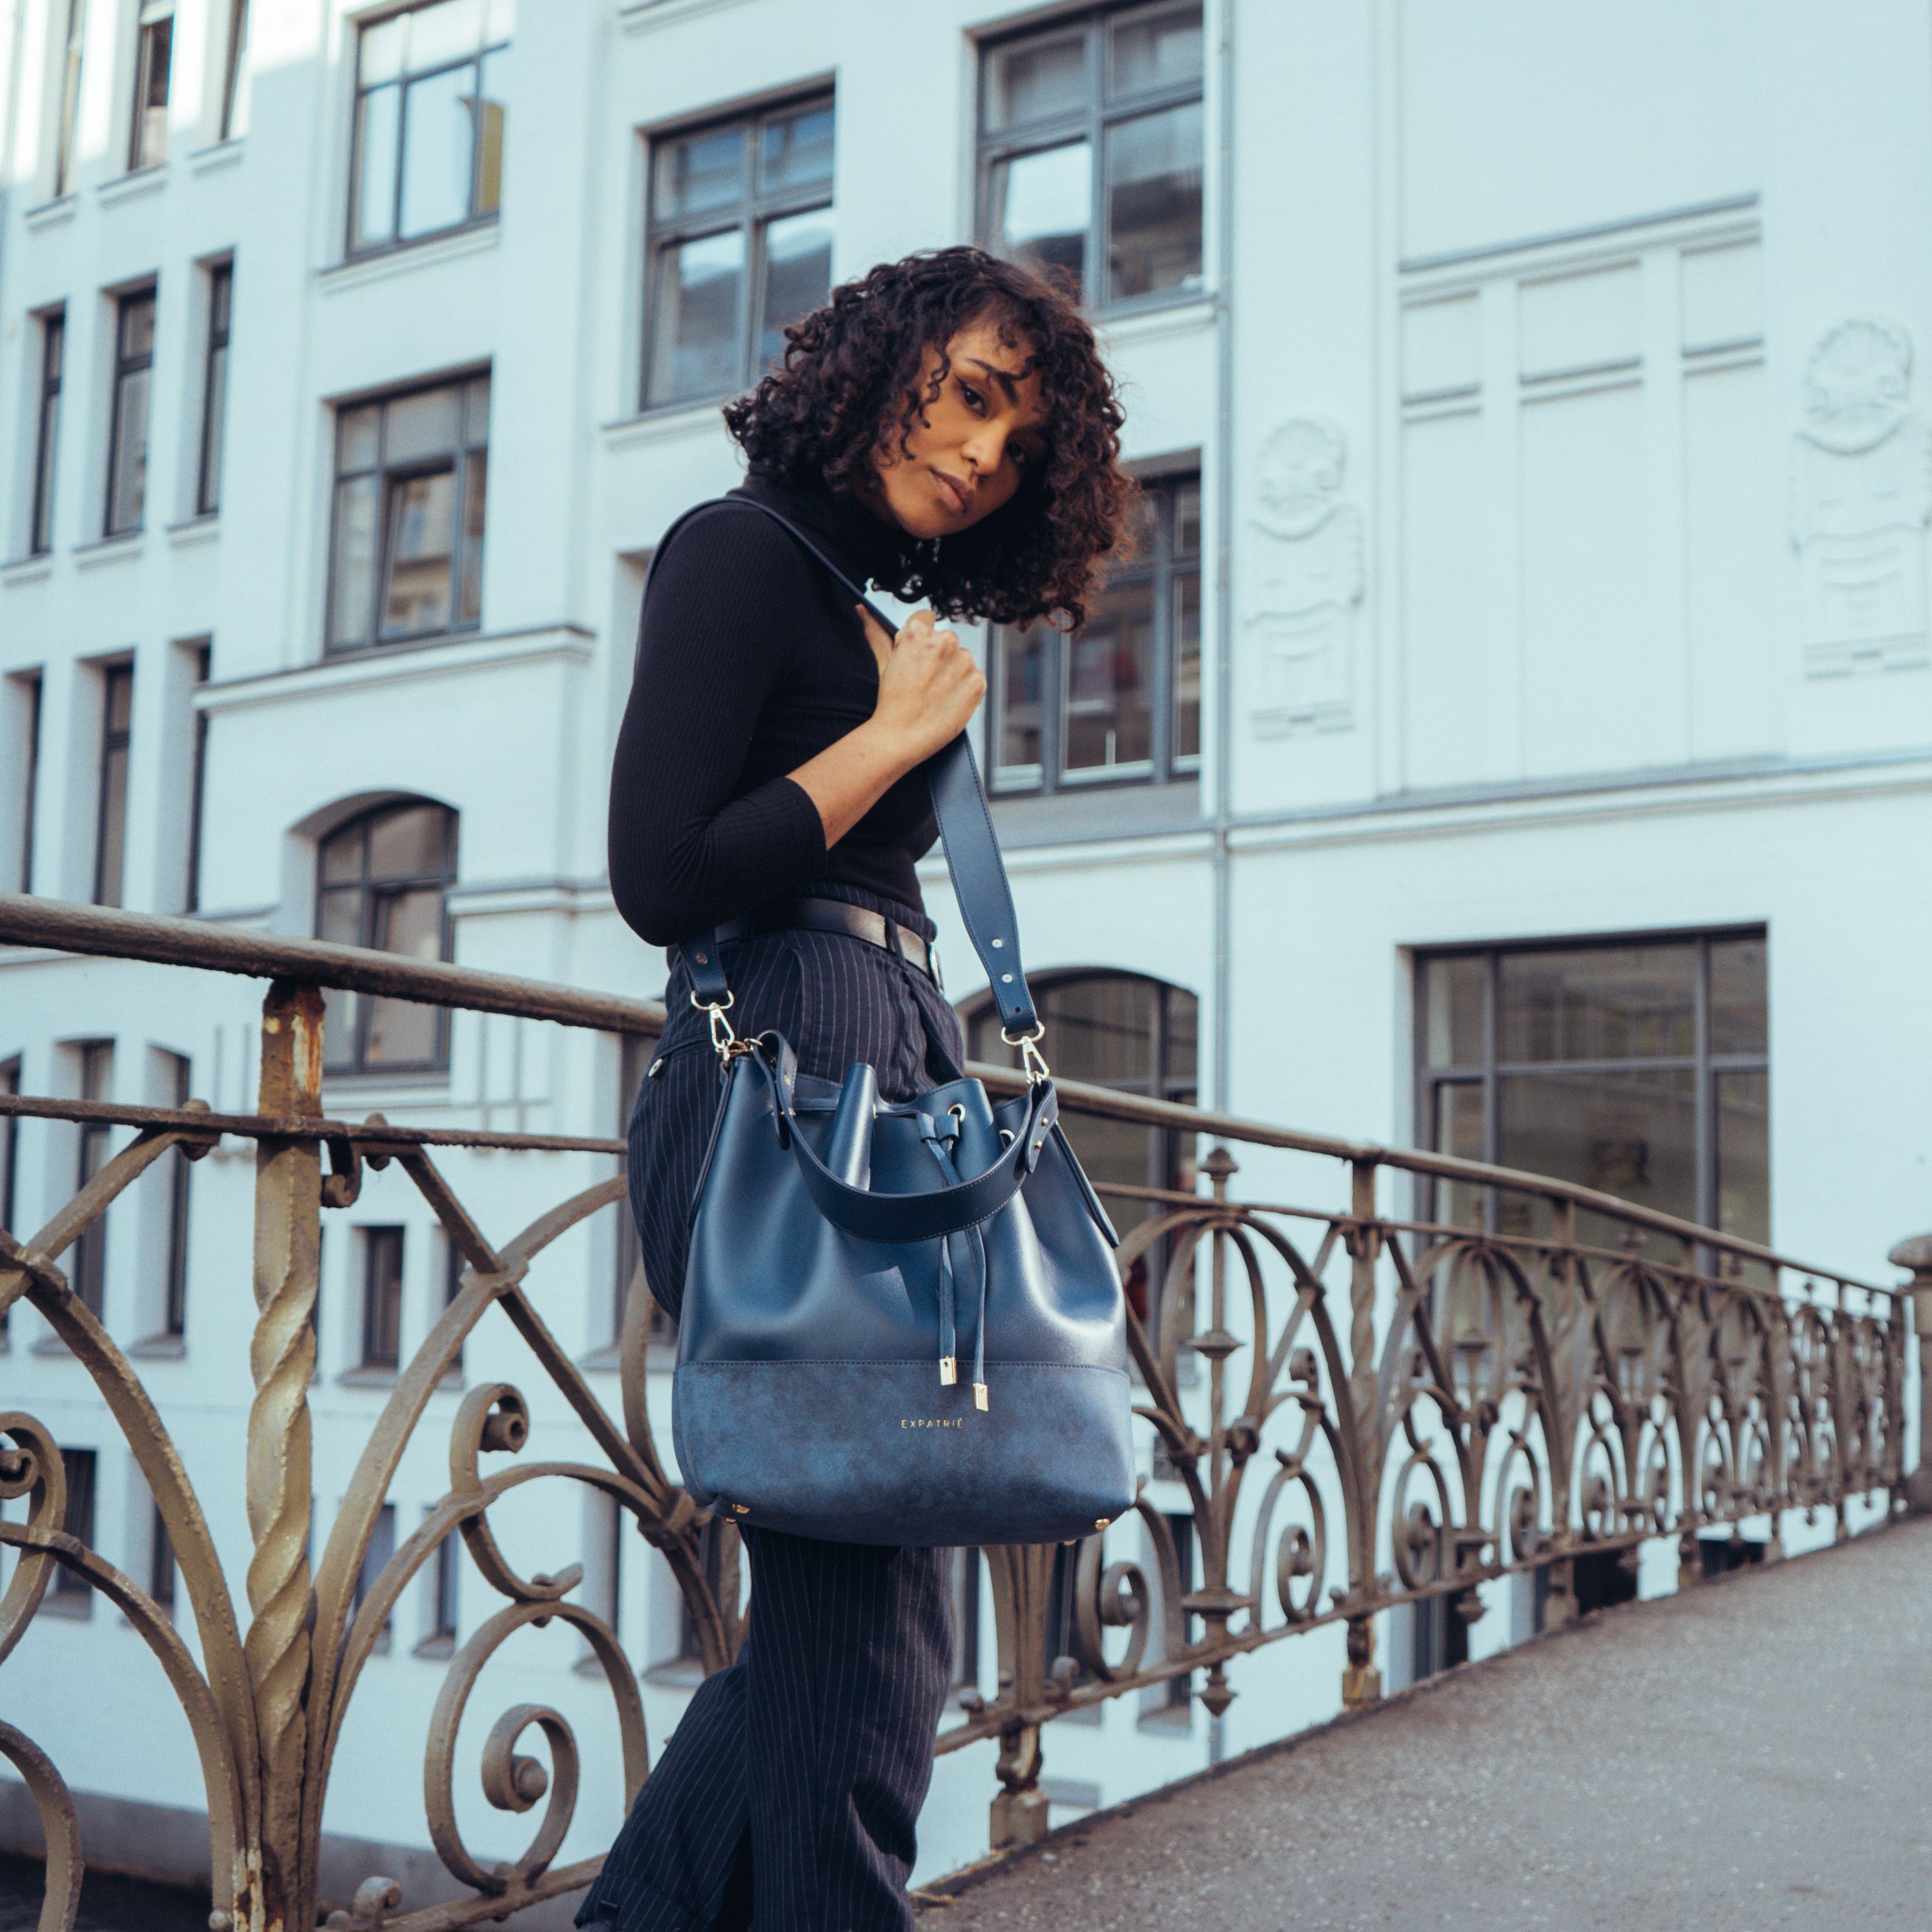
972	446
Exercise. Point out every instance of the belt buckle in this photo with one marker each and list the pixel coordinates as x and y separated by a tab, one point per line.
933	972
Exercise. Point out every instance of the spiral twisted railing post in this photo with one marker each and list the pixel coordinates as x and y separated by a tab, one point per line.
1916	1255
288	1204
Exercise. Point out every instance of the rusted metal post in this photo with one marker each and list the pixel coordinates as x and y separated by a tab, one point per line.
1361	1681
288	1205
1916	1255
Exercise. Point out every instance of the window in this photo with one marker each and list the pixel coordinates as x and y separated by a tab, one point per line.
197	784
740	244
1136	1035
375	1560
9	1156
1638	1069
235	78
439	1638
46	432
430	105
1119	699
410	475
110	839
175	1311
24	693
215	389
89	1278
381	1298
383	880
71	1594
160	1562
74	14
128	443
147	130
1091	140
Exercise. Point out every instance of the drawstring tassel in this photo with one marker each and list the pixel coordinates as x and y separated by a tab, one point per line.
979	1337
948	1340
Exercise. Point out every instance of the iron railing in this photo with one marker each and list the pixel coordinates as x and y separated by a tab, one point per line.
1423	1406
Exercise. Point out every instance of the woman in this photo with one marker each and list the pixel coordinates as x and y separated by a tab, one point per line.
945	428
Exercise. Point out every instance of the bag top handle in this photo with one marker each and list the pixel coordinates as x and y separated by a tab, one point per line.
965	825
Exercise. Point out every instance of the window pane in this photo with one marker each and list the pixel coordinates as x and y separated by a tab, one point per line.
1459	1131
798	276
470	583
212	421
113	832
1744	1155
421	543
1187	666
796	151
1022	721
428	424
342	858
439	131
352	593
1187	520
375	117
1632	1134
380	57
1103	1031
443	33
120	694
400	1032
339	920
151	108
1739	1021
1158	51
412	843
1109	718
476	412
1610	1002
1452	1004
128	487
1040	207
137	326
492	118
695	341
1153	203
699	172
358	438
1035	79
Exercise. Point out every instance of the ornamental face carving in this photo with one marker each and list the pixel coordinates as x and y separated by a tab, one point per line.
1860	498
1309	578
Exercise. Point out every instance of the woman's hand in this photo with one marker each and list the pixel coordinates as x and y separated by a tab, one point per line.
929	688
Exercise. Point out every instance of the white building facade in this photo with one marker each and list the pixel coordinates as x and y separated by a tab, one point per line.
1514	736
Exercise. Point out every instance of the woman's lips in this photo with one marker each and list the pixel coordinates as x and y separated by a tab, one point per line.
954	492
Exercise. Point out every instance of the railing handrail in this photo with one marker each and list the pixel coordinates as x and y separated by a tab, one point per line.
26	920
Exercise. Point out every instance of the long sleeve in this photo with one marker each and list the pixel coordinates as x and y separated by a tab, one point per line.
719	627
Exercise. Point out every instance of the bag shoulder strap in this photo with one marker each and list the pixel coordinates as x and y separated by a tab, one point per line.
965	825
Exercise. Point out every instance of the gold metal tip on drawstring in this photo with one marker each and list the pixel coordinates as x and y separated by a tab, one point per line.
948	1370
979	1395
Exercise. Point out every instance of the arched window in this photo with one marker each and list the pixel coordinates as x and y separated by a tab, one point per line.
382	881
1118	1029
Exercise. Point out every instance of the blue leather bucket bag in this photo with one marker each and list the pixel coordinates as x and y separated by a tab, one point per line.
846	1252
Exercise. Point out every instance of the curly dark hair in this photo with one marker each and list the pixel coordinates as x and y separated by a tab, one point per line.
849	389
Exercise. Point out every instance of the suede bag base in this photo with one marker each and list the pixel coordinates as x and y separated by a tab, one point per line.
878	1453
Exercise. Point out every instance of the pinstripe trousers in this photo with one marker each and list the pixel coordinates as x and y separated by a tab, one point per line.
786	1798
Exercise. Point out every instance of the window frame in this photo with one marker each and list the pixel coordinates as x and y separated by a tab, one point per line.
1165	568
46	431
1701	1062
116	743
154	26
70	1594
474	217
382	561
34	683
754	213
93	1148
72	56
214	387
126	367
1090	121
197	781
174	1306
10	1075
236	77
371	890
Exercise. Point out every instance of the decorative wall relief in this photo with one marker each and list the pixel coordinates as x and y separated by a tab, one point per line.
1860	498
1307	582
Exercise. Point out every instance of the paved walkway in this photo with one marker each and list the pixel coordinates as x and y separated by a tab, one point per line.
1756	1753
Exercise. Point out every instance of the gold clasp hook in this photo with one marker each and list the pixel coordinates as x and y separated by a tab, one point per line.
1037	1068
729	1046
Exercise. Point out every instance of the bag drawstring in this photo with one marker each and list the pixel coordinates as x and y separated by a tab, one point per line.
942	1145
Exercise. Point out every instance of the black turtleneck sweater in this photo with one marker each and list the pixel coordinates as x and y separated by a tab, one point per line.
751	660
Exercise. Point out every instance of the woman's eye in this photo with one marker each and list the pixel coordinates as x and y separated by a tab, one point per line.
974	398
